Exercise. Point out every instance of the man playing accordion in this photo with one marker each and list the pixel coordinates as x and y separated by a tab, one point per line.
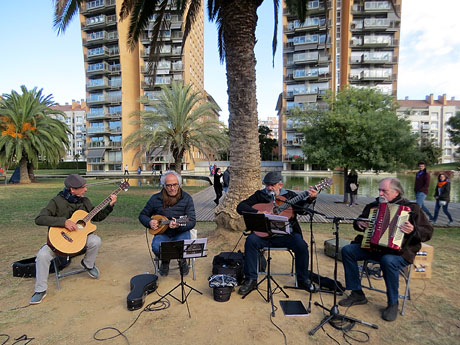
416	229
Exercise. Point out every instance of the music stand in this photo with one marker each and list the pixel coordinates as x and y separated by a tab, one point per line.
177	250
258	222
334	310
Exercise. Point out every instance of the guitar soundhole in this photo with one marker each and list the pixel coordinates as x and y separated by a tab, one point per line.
81	224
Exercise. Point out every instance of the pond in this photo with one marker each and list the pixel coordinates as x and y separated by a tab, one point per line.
368	185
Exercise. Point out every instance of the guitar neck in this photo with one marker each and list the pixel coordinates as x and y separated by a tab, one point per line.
103	204
289	203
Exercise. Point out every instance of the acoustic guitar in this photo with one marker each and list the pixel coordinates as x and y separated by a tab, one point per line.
164	222
67	242
283	207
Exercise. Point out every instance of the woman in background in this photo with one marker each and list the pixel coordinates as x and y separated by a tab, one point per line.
442	196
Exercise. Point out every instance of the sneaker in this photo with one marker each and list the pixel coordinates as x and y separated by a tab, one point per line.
390	313
451	222
247	287
355	298
164	268
183	267
432	222
93	272
38	297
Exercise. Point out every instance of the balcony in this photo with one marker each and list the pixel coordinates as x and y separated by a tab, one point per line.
114	130
99	68
94	84
96	130
296	142
98	6
375	59
95	99
93	116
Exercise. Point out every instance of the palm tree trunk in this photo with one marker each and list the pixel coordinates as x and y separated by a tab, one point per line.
239	25
31	171
23	171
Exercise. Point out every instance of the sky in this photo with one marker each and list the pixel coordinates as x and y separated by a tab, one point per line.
33	54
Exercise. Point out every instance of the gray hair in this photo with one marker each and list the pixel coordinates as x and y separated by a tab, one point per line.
169	172
395	184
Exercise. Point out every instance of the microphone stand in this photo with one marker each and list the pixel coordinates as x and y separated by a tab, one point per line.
334	310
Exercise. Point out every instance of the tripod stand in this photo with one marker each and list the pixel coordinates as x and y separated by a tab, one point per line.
259	223
334	310
176	250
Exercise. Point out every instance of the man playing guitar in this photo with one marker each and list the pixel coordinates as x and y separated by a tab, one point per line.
274	190
57	214
173	203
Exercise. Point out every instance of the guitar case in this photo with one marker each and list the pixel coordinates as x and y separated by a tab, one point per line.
141	286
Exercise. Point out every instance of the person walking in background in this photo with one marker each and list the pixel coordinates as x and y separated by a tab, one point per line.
422	183
139	170
214	168
442	196
352	187
210	169
126	170
226	179
217	185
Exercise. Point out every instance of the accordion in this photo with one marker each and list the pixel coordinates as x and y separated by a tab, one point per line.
384	231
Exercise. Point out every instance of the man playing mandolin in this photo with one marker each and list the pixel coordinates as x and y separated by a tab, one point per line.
57	214
172	203
272	193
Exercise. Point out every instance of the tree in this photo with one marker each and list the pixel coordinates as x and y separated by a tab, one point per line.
358	129
454	130
179	122
236	23
428	151
28	132
267	144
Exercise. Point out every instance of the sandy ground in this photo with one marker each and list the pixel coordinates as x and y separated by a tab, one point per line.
83	305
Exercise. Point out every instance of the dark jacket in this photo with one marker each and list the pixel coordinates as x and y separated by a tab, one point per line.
422	181
59	210
442	193
226	178
184	207
422	227
351	178
217	183
261	196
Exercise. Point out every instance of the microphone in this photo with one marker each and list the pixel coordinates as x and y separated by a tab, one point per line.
272	197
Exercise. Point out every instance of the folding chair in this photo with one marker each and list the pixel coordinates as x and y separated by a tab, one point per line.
292	273
60	275
405	273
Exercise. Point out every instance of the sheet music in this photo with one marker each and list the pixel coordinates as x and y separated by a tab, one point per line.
195	248
279	224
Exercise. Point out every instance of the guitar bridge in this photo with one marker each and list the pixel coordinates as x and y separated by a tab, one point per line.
63	234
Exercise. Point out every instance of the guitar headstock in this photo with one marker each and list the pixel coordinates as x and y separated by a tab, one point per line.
324	184
124	186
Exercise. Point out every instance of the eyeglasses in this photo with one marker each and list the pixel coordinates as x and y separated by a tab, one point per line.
172	185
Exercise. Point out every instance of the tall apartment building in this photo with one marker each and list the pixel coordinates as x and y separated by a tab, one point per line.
429	118
75	119
116	78
272	123
340	43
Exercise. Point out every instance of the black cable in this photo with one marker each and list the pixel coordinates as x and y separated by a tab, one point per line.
277	327
23	337
242	234
7	338
149	307
15	308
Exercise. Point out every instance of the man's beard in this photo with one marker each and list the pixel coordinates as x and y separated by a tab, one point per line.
382	200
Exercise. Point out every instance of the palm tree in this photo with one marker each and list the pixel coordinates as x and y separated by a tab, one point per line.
236	23
179	122
28	133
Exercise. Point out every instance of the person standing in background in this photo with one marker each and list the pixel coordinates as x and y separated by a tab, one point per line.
442	196
126	170
422	183
352	187
226	179
217	185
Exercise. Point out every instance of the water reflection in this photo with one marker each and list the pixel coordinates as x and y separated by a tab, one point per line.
154	181
368	185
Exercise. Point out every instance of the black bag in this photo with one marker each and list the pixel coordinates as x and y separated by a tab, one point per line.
229	263
26	267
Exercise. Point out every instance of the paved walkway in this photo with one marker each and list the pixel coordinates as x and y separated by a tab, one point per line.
329	204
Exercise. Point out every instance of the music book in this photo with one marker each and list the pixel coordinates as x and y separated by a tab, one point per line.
195	248
293	308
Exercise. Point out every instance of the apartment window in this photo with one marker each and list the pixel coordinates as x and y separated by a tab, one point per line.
96	111
95	20
96	51
96	97
94	4
95	67
434	116
95	82
115	138
97	35
114	156
448	152
447	142
434	125
115	81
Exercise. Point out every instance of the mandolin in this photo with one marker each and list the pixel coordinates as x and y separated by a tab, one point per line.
164	223
283	207
71	242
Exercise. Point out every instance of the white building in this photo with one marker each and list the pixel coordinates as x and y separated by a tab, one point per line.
429	118
76	121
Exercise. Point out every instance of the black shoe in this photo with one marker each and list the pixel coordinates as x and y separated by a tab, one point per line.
164	268
247	287
390	313
355	298
306	285
183	267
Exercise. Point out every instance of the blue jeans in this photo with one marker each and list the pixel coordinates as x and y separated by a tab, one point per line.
420	198
444	208
294	242
389	263
157	239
